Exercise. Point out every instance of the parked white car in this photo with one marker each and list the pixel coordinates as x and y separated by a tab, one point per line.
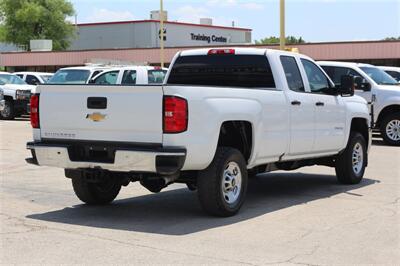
34	78
16	96
75	75
375	85
131	75
221	114
392	71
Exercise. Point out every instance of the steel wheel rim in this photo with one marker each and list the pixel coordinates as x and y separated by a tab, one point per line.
393	130
231	184
6	111
358	158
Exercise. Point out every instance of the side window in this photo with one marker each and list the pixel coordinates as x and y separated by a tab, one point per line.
156	76
20	75
107	78
32	80
129	77
336	73
316	78
292	73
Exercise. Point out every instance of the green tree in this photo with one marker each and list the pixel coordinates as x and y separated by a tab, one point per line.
392	39
25	20
275	40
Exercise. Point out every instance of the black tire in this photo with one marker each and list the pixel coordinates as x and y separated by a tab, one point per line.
345	172
393	121
8	113
96	193
210	183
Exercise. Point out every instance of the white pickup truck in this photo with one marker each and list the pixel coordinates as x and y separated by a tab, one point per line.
16	95
222	113
375	86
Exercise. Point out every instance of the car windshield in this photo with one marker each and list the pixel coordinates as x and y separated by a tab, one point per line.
70	76
46	77
379	76
11	79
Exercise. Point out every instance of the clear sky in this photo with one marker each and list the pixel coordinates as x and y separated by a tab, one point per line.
314	20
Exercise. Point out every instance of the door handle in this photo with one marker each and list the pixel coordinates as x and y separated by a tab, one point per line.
296	103
319	104
96	102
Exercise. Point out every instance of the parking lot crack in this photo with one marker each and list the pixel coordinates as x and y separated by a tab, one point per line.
34	228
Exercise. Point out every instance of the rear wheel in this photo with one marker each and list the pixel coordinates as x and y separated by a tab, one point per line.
350	164
8	113
390	129
222	186
96	193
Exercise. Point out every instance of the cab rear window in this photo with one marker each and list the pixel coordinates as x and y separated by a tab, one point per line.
252	71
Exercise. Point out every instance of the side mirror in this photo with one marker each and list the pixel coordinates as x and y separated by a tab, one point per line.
362	84
347	84
91	81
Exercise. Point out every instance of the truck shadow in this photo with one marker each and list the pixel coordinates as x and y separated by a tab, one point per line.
177	212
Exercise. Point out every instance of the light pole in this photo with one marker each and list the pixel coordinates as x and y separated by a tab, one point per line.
282	25
161	33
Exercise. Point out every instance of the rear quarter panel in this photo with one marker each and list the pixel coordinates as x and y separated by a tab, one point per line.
209	107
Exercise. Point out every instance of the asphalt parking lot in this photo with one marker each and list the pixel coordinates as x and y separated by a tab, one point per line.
300	217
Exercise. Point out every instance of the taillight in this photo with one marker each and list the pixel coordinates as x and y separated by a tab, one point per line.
35	111
175	114
221	51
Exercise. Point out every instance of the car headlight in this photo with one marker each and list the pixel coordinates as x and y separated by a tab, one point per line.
23	95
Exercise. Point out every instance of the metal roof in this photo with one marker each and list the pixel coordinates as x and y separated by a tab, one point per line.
319	51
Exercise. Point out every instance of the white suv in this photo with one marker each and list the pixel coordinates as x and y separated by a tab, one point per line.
76	75
131	75
34	78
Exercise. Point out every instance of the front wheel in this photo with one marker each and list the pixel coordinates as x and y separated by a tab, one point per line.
96	193
222	185
351	163
390	129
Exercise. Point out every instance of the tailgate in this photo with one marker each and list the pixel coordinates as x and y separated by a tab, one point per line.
101	113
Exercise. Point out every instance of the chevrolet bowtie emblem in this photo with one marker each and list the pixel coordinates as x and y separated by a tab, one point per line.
96	117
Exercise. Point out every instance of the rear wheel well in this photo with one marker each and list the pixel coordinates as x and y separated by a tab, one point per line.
238	135
386	111
360	125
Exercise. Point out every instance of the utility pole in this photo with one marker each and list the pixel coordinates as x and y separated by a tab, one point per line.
161	33
282	25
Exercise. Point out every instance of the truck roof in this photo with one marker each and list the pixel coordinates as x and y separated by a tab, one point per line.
392	68
239	51
85	68
33	73
348	64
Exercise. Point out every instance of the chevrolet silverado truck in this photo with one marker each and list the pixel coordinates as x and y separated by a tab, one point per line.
16	95
221	116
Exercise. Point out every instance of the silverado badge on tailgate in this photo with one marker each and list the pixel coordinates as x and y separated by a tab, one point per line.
96	117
